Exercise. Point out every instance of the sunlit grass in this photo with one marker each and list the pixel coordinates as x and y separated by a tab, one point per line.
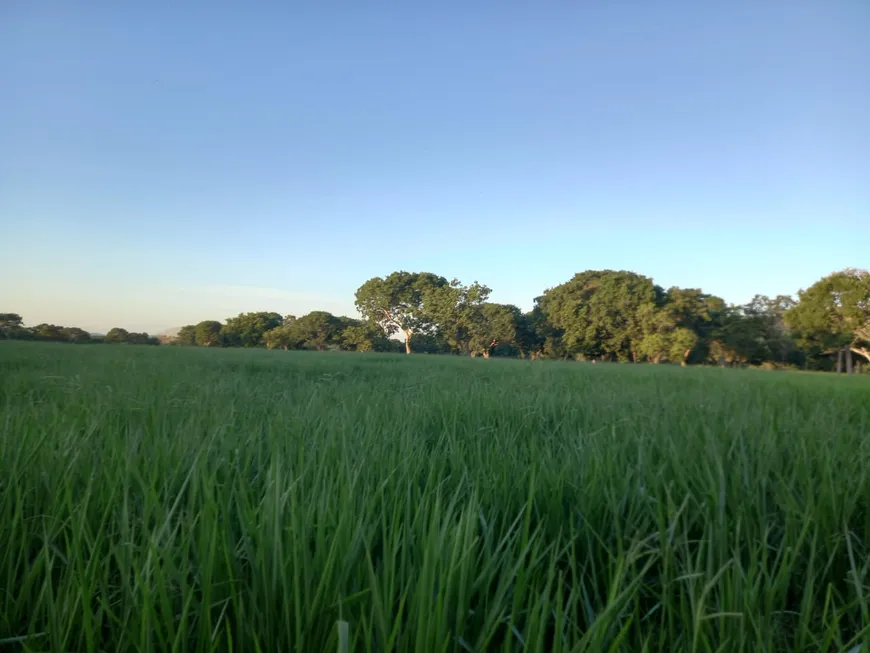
199	500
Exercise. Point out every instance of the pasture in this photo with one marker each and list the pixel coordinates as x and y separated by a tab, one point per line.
172	499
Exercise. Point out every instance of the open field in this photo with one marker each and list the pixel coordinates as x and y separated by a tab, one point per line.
246	500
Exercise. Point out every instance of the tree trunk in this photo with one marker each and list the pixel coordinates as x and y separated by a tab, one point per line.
286	347
408	335
847	352
839	361
486	353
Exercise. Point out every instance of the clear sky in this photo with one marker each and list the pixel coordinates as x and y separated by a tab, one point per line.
167	162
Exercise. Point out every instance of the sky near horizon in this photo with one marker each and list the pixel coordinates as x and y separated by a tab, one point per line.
165	163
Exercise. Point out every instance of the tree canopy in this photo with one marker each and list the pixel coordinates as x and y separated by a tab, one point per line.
11	325
318	330
456	312
834	314
186	335
247	329
603	314
116	335
397	302
207	333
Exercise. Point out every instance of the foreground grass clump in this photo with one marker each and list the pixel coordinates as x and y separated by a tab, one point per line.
199	500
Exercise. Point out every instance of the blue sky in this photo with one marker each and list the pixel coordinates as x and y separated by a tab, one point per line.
163	163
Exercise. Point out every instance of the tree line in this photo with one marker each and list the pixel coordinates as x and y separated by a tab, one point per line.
598	315
12	328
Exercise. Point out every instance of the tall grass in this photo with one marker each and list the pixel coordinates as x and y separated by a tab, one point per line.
198	500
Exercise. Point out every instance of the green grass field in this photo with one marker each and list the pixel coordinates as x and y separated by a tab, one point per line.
157	499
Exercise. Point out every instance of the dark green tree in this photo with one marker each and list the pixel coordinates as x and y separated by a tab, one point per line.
208	333
498	327
598	313
699	312
12	326
542	339
456	312
430	343
318	330
528	341
663	338
75	335
117	335
358	335
833	315
247	329
283	337
186	336
48	332
767	318
396	303
141	338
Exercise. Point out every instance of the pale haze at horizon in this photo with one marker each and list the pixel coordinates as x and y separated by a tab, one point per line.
162	164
